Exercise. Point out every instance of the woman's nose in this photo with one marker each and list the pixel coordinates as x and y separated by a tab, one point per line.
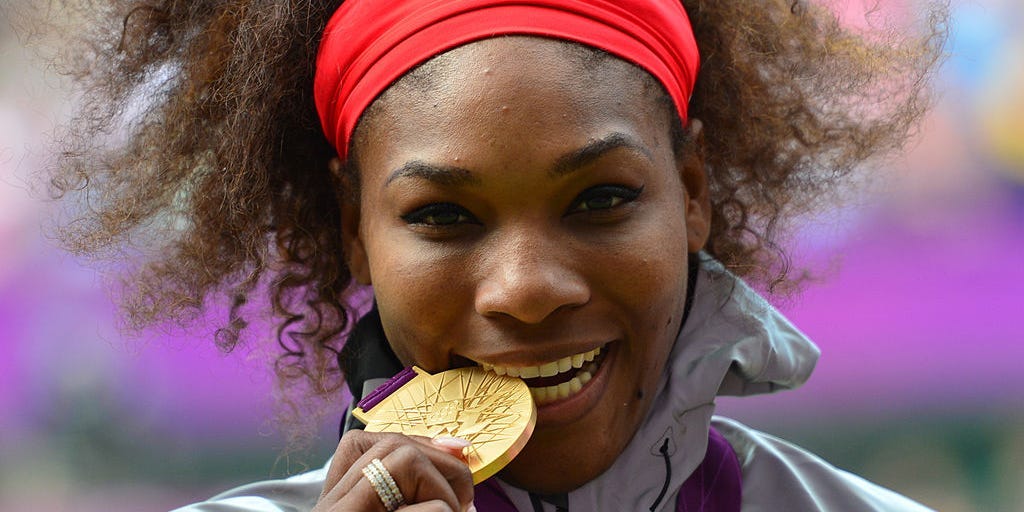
529	279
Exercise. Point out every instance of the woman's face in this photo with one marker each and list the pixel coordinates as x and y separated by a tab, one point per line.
520	210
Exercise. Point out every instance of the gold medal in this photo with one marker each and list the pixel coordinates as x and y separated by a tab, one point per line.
494	412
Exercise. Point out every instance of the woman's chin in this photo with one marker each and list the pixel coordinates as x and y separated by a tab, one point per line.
546	476
574	441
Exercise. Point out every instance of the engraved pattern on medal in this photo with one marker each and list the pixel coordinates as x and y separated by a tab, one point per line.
481	407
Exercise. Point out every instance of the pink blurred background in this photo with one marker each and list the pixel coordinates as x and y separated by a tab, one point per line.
919	314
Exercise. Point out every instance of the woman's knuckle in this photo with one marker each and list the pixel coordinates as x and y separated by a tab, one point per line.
464	476
407	452
353	438
394	442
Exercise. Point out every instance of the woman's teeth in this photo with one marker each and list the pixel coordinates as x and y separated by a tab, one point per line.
564	390
545	370
542	395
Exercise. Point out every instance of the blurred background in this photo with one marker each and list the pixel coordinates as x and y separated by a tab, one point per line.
919	312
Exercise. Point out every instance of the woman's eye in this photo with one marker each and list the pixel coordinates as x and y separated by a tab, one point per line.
439	214
604	197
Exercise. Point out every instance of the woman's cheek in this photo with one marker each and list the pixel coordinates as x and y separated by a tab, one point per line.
421	293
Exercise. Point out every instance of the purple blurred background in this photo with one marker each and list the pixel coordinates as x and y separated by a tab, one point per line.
919	311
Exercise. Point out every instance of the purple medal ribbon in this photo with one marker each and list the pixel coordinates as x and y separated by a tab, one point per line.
384	390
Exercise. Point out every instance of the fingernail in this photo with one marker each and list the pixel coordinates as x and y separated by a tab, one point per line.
471	508
457	443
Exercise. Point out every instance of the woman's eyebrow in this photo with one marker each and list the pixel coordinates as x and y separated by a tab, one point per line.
439	174
596	149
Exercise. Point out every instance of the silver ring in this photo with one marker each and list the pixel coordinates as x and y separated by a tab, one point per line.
387	489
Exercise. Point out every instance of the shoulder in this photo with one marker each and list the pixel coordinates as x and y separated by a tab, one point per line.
778	475
299	492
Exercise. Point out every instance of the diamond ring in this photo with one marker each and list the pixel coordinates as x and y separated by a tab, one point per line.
387	489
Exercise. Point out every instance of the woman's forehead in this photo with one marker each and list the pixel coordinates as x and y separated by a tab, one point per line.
495	80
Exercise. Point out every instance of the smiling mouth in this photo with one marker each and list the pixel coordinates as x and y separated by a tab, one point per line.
555	380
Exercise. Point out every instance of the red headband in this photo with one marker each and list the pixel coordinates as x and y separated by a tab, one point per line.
367	45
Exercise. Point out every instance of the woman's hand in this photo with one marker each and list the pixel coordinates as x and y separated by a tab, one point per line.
431	474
